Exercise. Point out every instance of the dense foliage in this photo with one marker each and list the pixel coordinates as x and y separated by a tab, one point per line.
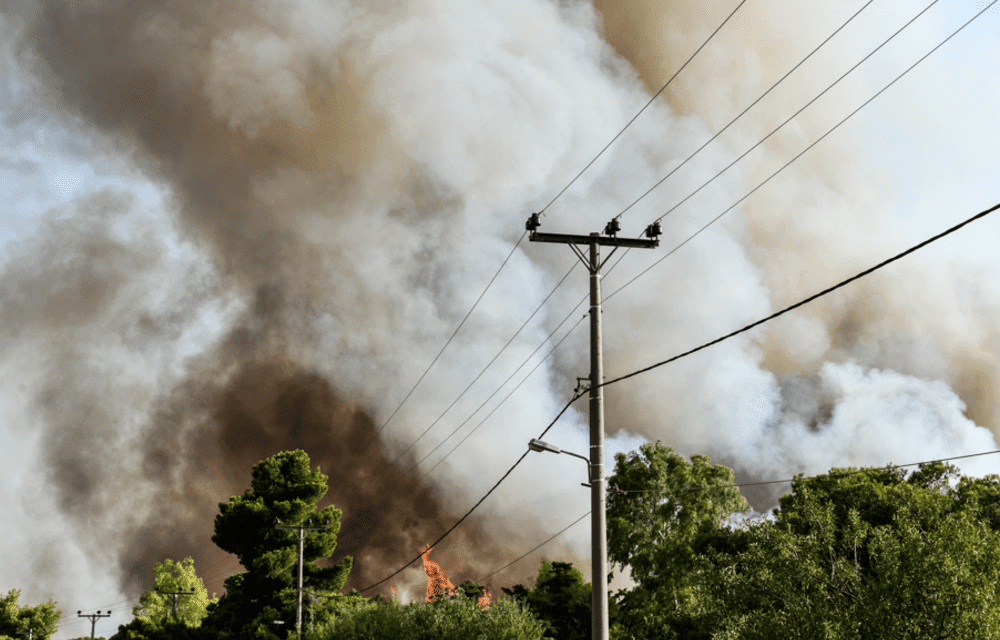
873	553
560	598
661	510
158	605
878	554
283	488
459	618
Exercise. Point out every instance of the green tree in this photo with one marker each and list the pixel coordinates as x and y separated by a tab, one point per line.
873	553
16	619
170	576
283	487
662	509
560	598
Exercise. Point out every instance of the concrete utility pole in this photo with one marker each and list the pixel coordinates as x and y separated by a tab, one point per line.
30	633
93	619
598	518
175	594
302	528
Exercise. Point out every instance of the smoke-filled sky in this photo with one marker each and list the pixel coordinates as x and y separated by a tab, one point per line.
233	228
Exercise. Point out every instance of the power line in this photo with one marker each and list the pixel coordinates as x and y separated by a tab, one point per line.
487	367
655	96
526	360
522	557
842	283
742	113
786	165
499	404
525	324
543	210
807	105
438	356
475	506
847	472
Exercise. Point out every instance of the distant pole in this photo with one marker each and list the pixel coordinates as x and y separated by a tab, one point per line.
30	633
302	528
598	518
93	619
175	594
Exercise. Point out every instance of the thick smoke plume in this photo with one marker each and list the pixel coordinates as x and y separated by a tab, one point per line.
336	182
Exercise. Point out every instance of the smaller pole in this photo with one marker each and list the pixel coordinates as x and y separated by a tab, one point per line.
301	528
175	594
298	610
93	619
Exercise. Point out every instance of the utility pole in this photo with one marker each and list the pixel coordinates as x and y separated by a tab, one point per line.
598	518
301	528
175	594
93	619
30	633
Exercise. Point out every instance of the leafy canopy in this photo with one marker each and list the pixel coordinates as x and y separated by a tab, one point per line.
170	576
854	553
662	508
283	487
459	618
16	619
560	598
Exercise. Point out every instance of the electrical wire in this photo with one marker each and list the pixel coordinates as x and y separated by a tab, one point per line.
786	165
655	96
494	410
848	472
842	283
742	113
811	298
481	500
438	356
487	367
507	397
522	557
807	105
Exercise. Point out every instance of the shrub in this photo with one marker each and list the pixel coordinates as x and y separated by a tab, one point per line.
449	619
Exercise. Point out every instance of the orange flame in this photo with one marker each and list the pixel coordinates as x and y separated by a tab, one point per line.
438	584
485	599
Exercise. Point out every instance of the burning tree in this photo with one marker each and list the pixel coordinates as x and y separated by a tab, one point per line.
438	584
284	488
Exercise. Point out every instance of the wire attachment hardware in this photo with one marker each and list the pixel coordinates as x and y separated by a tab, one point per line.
613	227
533	223
653	231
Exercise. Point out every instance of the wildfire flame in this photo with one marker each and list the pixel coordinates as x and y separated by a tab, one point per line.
438	584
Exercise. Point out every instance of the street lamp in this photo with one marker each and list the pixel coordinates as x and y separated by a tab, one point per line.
599	538
538	445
